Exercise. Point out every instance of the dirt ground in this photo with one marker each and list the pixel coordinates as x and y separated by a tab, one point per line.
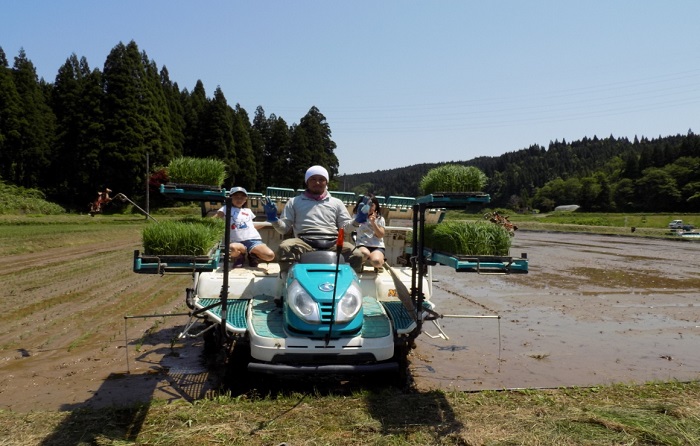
79	328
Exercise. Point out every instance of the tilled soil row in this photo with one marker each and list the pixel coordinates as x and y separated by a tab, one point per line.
64	320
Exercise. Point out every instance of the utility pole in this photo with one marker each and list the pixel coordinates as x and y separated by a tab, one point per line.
148	189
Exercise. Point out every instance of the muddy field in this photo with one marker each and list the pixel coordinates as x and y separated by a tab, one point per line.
592	310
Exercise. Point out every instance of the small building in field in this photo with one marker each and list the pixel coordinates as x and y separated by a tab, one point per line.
567	208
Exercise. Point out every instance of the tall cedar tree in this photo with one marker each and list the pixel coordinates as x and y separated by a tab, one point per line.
31	154
216	134
257	144
279	154
300	157
321	147
176	110
137	119
77	104
276	145
245	158
126	127
159	134
194	104
10	118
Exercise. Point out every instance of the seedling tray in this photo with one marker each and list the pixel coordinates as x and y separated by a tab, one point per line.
193	192
162	264
473	263
451	199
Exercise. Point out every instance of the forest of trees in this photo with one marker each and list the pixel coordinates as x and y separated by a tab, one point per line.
92	128
604	175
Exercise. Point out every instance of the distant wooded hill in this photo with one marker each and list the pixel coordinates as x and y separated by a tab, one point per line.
606	175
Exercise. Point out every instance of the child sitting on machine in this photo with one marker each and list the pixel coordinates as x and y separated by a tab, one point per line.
370	234
245	237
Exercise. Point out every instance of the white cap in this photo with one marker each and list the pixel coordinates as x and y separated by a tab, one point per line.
316	170
238	189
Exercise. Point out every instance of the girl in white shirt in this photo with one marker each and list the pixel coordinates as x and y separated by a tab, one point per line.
245	237
370	234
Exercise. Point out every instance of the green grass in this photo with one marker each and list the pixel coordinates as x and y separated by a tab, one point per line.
18	200
587	218
645	225
619	220
648	414
28	234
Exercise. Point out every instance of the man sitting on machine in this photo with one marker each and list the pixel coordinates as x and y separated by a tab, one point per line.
315	218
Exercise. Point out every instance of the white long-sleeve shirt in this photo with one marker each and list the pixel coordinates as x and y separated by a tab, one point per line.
306	215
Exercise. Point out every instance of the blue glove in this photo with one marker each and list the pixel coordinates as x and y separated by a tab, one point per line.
270	210
362	211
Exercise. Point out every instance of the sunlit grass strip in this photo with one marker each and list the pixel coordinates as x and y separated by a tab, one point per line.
204	171
468	238
664	414
453	178
186	237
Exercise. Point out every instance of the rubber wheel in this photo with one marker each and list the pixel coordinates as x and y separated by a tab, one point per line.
212	339
238	378
403	376
399	378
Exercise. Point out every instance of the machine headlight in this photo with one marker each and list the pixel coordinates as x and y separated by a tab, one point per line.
350	304
302	304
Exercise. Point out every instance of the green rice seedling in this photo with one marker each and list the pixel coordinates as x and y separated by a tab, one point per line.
189	237
201	171
468	238
215	223
453	178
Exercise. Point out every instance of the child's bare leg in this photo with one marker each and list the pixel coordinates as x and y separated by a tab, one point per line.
236	250
365	253
263	252
376	258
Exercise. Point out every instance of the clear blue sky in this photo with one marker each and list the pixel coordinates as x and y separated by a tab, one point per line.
403	82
